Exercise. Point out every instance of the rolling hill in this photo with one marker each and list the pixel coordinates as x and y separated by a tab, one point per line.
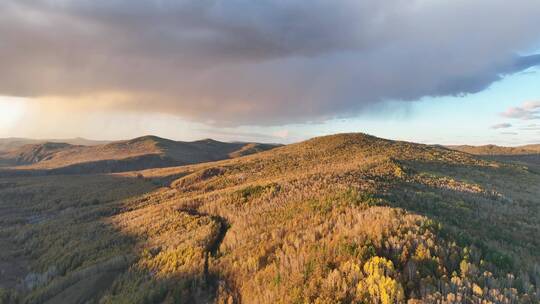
348	218
139	153
497	150
12	143
528	155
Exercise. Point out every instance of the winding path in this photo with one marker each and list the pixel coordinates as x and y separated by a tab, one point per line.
212	249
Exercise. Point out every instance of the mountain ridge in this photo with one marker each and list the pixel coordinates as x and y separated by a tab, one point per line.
497	150
137	153
11	143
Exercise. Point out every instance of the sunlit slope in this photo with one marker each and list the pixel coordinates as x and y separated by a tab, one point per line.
348	218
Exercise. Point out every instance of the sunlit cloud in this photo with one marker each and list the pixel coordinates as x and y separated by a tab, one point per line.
12	110
281	134
527	111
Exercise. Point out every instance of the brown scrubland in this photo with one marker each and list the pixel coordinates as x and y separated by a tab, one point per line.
348	218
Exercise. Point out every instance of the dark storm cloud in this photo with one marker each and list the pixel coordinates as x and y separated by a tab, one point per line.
261	62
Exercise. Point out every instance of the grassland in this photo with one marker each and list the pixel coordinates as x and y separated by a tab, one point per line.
347	218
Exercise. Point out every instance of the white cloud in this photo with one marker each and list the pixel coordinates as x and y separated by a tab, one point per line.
527	111
531	127
509	133
281	134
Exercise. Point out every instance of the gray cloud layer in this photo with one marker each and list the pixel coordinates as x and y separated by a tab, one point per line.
262	62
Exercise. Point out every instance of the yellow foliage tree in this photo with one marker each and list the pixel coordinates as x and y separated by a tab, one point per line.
379	286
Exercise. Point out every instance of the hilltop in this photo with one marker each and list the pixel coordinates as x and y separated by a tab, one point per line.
138	153
347	218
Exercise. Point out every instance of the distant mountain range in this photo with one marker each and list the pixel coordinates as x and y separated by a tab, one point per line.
11	143
528	155
84	156
497	150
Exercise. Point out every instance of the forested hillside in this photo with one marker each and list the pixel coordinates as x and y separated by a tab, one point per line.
348	218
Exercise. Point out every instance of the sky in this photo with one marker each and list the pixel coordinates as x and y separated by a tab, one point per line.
429	71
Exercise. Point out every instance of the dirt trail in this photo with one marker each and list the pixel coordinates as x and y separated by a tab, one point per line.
211	278
212	249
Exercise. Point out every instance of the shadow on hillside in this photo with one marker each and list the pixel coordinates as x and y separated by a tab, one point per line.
47	222
501	216
95	167
58	231
530	160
